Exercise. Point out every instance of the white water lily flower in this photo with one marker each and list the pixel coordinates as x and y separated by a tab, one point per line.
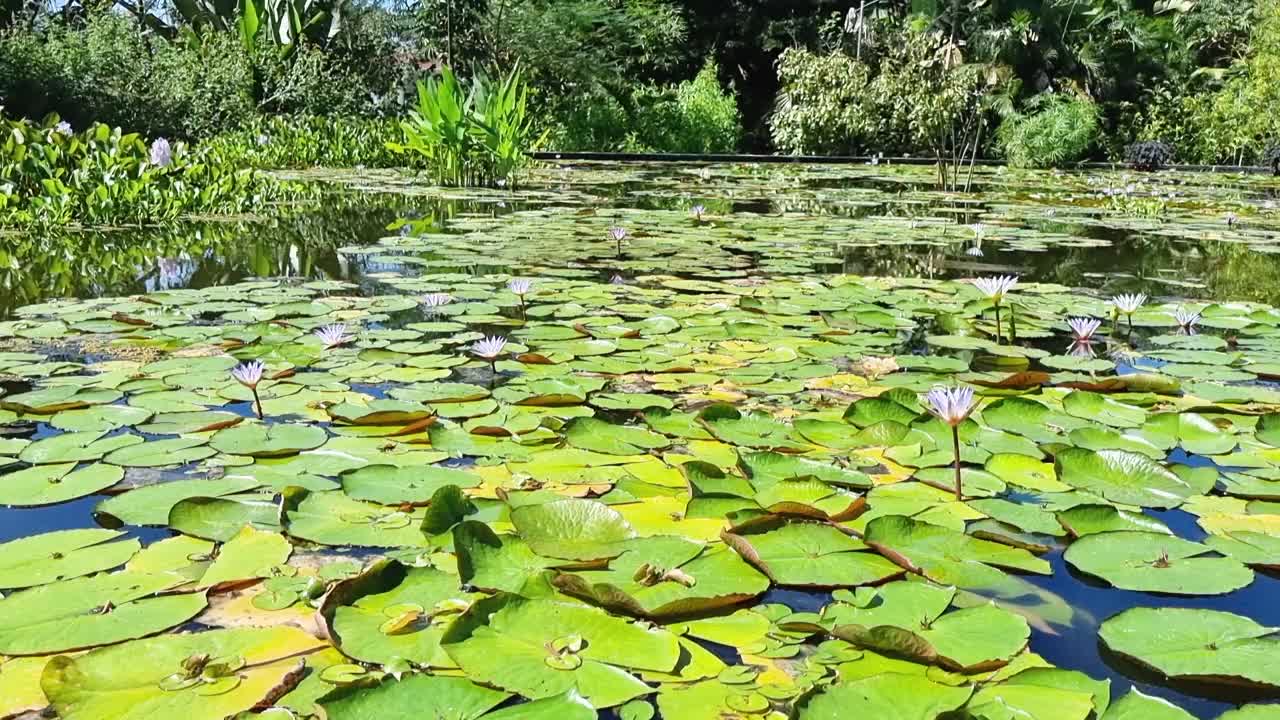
435	300
617	234
617	280
1187	319
489	348
520	286
698	211
996	287
333	335
249	374
951	405
1129	303
974	251
1083	328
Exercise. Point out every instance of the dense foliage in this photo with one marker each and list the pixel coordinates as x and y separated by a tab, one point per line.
52	175
913	77
471	132
1058	129
302	141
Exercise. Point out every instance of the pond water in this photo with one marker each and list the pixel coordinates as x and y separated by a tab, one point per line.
703	348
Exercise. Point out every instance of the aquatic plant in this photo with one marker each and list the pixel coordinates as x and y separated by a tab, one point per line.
476	132
520	287
489	349
1128	304
333	335
52	176
1083	328
1187	320
249	375
434	301
995	288
952	406
698	211
617	234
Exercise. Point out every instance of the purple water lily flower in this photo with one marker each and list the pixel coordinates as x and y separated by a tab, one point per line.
333	335
250	374
1083	328
952	406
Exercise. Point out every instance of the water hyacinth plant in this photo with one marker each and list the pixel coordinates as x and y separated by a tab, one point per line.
249	375
161	153
952	406
995	288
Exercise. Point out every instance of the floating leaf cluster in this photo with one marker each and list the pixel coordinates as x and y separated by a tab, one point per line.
397	514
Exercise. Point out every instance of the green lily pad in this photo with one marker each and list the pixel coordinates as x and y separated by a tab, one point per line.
202	676
393	613
908	619
808	554
394	485
61	555
267	441
1204	645
541	648
889	695
90	611
573	529
1122	477
49	484
1154	562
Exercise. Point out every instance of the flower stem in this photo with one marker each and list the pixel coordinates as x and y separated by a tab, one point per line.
997	323
955	440
257	402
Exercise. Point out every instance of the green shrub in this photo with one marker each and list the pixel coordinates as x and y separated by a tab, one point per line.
1059	129
51	175
112	71
302	141
471	133
695	116
698	116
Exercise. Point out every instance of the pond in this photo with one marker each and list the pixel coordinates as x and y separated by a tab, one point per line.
688	470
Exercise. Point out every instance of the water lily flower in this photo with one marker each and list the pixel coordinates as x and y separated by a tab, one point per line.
1187	320
249	375
618	234
1128	304
433	301
489	349
1230	218
974	251
263	140
996	288
617	280
161	153
519	286
333	335
952	406
698	211
1083	328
